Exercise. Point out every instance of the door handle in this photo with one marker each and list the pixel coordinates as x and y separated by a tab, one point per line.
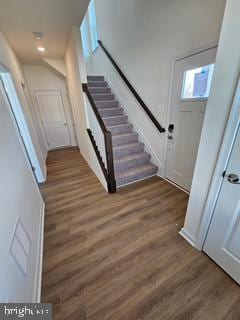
171	128
170	137
233	178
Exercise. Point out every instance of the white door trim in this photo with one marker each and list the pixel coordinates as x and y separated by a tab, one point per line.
20	123
66	112
185	55
221	165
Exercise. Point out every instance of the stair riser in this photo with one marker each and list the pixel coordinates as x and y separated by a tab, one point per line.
100	90
107	104
122	152
95	78
119	130
131	163
130	179
103	97
95	84
111	112
115	120
121	140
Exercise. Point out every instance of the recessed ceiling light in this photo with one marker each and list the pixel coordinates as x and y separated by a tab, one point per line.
41	49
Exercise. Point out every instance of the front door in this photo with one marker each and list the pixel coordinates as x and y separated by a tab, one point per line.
53	118
191	87
223	239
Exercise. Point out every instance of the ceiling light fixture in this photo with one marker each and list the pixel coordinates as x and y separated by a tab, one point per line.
41	49
37	35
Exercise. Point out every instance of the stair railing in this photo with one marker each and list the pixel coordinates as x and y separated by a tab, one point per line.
134	92
101	140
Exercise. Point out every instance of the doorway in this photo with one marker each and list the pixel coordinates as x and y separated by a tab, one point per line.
223	239
190	90
53	118
21	124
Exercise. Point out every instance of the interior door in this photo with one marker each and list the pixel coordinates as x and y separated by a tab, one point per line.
53	118
191	87
223	239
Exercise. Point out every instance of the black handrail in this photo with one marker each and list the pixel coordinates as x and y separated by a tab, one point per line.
109	171
134	92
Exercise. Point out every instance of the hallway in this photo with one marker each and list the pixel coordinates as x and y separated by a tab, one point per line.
119	256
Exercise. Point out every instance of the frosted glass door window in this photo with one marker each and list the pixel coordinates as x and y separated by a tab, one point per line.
197	82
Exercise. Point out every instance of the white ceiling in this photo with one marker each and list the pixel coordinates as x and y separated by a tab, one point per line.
54	18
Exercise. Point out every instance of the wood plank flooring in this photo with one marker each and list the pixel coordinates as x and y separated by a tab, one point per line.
120	257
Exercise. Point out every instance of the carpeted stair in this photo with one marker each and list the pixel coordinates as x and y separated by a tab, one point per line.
131	162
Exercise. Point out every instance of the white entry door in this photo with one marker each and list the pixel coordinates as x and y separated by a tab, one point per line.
53	118
191	87
223	239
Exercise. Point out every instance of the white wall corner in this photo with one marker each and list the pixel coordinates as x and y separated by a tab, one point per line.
56	66
38	275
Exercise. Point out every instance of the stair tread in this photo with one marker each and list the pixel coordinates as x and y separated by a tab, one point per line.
100	90
95	78
122	135
111	112
127	145
116	116
119	125
135	170
92	82
120	128
132	156
103	94
99	87
113	108
109	104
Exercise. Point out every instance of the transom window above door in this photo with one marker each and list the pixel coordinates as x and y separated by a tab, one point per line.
197	82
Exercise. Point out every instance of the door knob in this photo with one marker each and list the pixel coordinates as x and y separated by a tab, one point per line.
233	178
171	128
170	137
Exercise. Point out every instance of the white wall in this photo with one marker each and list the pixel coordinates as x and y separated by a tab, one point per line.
224	83
144	37
58	65
10	61
19	197
40	78
76	75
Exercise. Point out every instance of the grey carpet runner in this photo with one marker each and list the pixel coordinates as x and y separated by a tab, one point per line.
131	162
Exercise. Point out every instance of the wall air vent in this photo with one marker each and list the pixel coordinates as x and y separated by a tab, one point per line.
20	247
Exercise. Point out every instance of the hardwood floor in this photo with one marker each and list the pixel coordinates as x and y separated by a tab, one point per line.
120	257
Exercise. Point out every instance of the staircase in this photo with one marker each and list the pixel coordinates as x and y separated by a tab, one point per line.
131	162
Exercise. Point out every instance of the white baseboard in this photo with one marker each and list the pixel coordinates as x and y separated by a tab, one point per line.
38	276
45	173
175	185
184	233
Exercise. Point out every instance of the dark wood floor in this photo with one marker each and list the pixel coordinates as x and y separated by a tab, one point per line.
119	257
